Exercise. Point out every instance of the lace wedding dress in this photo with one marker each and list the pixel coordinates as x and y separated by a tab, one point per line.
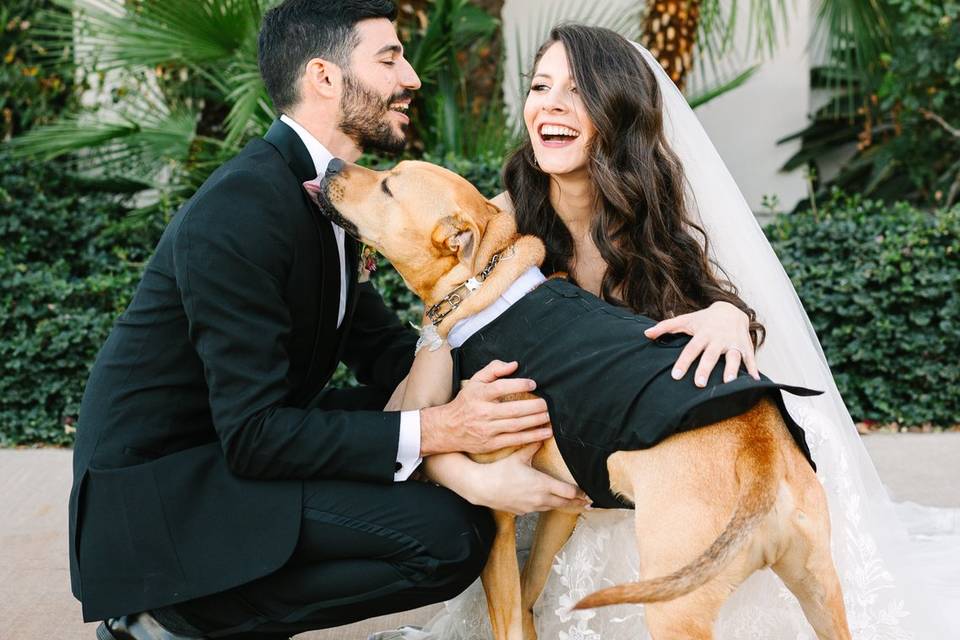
899	565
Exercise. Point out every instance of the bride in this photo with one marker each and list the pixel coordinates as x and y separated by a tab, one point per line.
615	115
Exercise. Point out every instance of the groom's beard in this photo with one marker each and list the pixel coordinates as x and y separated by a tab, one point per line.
363	117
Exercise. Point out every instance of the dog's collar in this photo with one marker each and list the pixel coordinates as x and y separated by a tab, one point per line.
452	301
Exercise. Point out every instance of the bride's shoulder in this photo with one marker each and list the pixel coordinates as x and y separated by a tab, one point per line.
502	201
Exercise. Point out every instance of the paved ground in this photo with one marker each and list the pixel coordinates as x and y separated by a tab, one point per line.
35	600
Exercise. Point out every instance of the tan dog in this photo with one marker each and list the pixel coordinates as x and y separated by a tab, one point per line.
749	500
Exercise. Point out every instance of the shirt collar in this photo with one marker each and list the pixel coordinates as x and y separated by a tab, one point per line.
318	153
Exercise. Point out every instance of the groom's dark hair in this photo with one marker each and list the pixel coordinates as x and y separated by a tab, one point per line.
296	31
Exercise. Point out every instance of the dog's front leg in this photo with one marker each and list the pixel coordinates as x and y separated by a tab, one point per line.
553	531
501	580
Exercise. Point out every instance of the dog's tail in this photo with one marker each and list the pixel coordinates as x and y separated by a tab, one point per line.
758	493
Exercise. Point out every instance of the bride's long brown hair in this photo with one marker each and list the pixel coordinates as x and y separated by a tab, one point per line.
656	255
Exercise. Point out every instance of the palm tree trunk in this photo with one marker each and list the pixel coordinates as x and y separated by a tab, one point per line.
670	33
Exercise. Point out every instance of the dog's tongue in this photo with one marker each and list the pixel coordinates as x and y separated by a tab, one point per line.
314	190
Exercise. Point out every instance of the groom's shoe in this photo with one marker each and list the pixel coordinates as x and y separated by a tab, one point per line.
139	626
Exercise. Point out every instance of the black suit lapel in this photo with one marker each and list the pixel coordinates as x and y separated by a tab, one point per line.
295	153
291	147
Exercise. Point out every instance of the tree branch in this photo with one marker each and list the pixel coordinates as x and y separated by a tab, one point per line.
930	115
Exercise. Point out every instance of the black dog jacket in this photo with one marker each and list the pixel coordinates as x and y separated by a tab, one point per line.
607	386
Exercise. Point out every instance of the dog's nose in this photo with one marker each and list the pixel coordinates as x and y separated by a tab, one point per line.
335	167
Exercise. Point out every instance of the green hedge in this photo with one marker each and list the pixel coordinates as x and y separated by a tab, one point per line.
881	284
69	261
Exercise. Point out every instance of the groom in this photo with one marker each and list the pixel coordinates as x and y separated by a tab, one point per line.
219	490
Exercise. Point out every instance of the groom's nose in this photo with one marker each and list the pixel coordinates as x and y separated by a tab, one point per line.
334	167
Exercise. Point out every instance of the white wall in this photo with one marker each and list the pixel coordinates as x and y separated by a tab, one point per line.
744	124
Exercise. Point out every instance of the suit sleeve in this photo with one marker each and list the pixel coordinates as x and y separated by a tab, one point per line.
232	255
379	348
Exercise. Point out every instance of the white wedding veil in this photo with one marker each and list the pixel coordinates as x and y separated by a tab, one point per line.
792	355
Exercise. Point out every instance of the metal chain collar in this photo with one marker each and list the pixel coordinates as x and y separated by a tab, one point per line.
463	290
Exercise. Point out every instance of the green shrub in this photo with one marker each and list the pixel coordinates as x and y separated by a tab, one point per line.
69	262
880	283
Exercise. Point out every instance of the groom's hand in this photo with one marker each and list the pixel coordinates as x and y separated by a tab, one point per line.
476	421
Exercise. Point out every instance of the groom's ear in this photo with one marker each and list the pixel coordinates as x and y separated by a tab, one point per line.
322	77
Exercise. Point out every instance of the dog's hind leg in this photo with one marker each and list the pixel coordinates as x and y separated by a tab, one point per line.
501	580
806	565
553	531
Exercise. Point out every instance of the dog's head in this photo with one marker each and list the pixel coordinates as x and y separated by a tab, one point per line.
435	228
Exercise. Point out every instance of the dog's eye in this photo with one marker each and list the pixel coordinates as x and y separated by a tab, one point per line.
386	189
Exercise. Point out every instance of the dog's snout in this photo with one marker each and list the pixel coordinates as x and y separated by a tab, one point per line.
334	168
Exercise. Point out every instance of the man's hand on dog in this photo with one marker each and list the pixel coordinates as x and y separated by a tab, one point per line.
720	329
475	421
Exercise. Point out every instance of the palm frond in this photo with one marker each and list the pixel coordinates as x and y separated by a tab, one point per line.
719	22
142	142
251	110
706	95
154	32
853	33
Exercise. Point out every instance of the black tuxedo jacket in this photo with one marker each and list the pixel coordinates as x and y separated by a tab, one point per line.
193	439
607	386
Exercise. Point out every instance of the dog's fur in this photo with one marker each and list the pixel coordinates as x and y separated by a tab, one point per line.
740	495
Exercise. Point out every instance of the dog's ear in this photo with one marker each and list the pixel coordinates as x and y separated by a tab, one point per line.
458	235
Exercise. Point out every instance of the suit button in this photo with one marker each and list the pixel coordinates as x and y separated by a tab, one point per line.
397	467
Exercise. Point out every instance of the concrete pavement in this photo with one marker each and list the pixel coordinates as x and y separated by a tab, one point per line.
35	600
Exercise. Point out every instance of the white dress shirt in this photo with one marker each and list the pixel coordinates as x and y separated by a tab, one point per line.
408	450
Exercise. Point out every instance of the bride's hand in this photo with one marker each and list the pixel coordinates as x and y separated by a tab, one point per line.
720	329
511	484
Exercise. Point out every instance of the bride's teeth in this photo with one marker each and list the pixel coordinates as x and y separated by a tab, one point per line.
555	130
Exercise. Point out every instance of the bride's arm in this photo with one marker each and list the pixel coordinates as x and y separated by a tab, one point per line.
502	202
429	384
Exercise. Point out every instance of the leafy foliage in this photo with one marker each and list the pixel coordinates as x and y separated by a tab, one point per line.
448	50
880	285
35	83
69	262
902	115
187	94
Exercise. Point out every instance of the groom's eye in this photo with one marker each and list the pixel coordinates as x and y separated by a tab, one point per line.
385	188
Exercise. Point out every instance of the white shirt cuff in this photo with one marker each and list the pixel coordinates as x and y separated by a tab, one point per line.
408	451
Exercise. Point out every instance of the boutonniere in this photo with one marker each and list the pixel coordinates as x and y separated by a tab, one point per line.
368	262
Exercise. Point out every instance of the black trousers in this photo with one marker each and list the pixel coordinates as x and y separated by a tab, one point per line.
364	550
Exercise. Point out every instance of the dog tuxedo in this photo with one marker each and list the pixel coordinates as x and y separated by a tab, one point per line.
607	386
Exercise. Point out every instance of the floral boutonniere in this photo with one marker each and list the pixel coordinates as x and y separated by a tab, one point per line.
368	262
